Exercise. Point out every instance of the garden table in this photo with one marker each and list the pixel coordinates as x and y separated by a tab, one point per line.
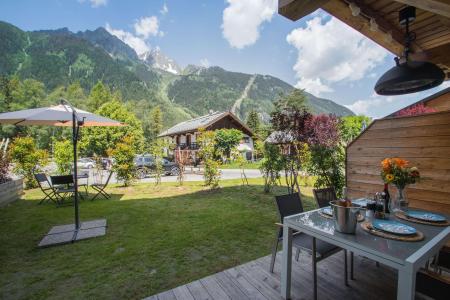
406	257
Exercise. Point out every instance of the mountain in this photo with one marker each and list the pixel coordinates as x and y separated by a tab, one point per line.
156	59
60	57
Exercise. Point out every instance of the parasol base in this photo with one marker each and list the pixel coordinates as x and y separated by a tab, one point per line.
66	234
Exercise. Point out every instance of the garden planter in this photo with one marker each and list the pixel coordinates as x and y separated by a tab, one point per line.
10	191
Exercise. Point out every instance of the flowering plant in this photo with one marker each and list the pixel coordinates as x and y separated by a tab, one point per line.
398	172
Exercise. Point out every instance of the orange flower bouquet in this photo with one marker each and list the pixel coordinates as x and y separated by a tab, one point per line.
397	171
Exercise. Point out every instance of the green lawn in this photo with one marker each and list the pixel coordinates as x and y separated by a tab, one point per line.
157	238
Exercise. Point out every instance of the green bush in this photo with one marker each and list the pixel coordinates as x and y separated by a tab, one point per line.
63	156
207	152
4	168
124	154
27	159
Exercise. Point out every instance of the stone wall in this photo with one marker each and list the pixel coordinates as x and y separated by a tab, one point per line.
10	191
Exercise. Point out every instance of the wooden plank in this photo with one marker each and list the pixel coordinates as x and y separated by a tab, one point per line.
258	282
154	297
167	295
439	7
182	293
294	10
213	288
424	151
198	291
404	142
231	289
422	120
250	291
420	162
412	132
355	169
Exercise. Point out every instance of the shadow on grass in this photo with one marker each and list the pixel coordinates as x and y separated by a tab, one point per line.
157	238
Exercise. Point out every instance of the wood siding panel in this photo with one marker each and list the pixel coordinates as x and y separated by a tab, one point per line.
422	140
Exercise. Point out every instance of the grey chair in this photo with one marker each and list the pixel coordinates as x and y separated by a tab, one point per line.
100	187
324	196
83	174
291	205
46	187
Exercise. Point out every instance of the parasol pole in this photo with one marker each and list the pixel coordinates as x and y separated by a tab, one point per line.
75	131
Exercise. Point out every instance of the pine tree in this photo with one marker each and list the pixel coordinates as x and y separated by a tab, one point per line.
253	122
156	120
99	95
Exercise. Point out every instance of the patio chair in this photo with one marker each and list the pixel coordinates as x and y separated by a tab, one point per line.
63	187
46	187
83	174
100	187
324	196
291	205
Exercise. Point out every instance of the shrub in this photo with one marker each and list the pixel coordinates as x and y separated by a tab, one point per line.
226	140
271	166
124	154
4	168
27	159
63	156
207	152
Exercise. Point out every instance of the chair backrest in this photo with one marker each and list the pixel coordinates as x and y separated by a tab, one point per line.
41	179
109	177
324	196
288	205
62	179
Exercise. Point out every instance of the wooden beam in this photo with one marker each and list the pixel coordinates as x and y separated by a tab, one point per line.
341	11
297	9
439	7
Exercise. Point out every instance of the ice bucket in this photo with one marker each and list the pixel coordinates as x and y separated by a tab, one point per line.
345	218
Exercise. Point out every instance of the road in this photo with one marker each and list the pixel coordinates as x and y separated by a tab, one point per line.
190	175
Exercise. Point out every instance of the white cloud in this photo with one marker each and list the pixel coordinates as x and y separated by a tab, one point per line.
367	106
138	44
147	26
332	52
242	20
95	3
164	10
204	62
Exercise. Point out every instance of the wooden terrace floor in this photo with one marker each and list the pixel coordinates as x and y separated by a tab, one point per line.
254	281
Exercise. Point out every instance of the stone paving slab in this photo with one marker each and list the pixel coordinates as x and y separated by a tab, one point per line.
64	234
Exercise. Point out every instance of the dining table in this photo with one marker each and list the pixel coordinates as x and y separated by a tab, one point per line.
404	256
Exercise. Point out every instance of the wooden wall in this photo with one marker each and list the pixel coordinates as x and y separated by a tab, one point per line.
440	103
422	140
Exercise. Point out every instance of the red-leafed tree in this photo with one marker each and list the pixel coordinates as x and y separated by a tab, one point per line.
415	110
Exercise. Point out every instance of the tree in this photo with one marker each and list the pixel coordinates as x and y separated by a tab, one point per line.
27	159
208	153
157	150
97	140
327	153
124	154
100	94
227	139
156	120
271	166
290	122
351	127
254	123
63	156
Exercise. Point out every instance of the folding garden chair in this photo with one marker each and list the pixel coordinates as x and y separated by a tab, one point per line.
291	204
63	187
46	187
100	187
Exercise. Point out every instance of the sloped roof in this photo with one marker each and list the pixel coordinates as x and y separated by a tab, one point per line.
193	124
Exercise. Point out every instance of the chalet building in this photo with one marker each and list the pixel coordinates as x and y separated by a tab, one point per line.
184	135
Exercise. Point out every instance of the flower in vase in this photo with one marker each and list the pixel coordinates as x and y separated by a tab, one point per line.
389	178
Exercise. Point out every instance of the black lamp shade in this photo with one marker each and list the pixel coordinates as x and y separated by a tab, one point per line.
409	77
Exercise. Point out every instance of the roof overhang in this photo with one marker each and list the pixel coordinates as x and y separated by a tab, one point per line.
432	24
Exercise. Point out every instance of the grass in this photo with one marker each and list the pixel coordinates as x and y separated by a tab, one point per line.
157	238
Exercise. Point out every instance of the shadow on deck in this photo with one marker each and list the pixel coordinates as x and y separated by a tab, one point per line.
254	281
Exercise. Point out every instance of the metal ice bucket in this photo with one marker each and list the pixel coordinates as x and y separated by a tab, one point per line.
345	218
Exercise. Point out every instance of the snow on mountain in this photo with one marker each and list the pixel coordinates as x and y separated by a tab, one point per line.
156	59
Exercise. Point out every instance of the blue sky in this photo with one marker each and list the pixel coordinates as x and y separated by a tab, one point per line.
318	53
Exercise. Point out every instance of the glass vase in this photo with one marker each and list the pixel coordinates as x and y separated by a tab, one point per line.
400	202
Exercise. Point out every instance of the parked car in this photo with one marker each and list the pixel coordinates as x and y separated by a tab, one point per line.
145	165
86	163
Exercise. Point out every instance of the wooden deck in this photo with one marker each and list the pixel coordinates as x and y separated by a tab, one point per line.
254	281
